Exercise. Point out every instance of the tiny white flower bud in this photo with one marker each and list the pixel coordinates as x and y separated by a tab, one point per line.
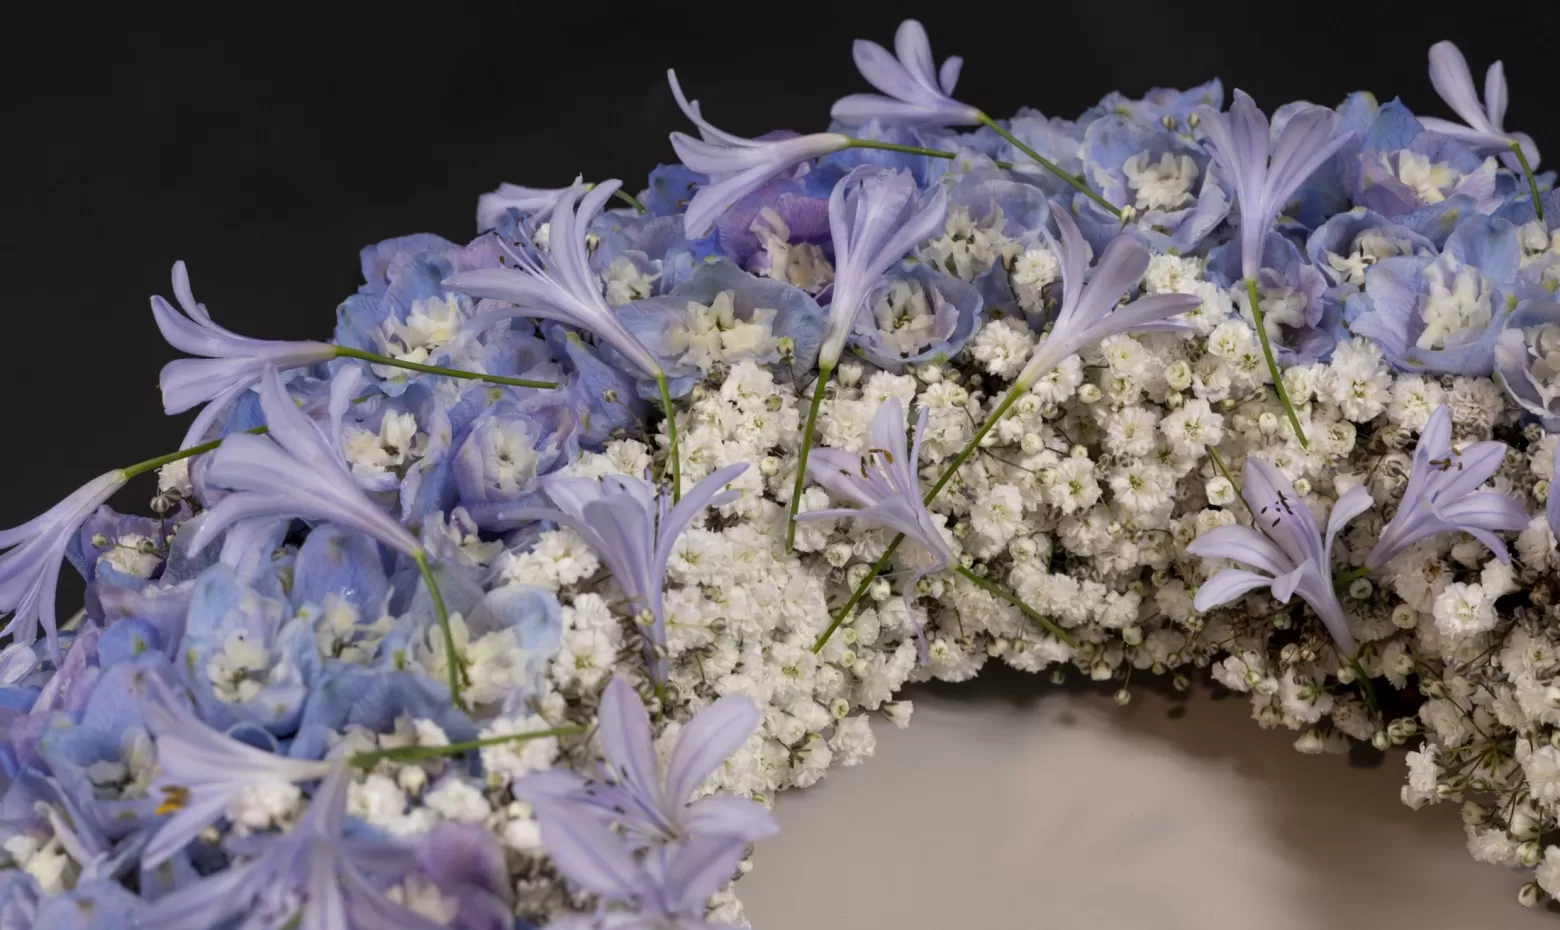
1361	588
1089	394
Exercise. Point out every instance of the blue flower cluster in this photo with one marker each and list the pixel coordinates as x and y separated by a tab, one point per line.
180	753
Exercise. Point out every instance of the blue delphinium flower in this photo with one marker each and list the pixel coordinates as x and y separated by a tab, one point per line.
781	230
30	571
1302	324
1164	177
1443	495
1482	121
736	166
1442	314
1161	108
534	201
506	449
633	527
230	365
92	905
372	698
1404	169
913	89
916	316
630	790
1290	554
1348	244
1527	359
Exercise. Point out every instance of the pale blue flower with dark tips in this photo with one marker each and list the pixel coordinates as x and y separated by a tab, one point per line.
231	364
1290	554
1482	120
633	528
558	285
914	89
630	789
30	571
1443	495
1265	171
536	201
296	470
736	166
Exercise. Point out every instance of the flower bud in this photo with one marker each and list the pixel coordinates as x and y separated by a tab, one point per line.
1529	854
1123	697
1530	895
1089	394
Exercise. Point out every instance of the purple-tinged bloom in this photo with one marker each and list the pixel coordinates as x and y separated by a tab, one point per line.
1266	172
1088	311
1177	196
308	873
916	316
1302	324
1288	551
537	201
1481	125
736	166
1527	359
199	771
884	484
560	286
875	219
30	571
1443	497
667	889
230	365
916	90
1348	244
1161	108
631	791
633	528
91	905
296	470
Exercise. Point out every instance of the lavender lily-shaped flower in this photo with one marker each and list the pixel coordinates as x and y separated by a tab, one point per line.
1266	174
1443	497
1481	128
630	790
297	470
561	286
199	771
1290	554
633	528
537	201
875	219
736	166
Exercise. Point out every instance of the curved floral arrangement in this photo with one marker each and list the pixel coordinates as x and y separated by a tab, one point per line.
518	601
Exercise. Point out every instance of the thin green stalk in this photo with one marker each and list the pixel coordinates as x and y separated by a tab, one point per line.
1052	167
629	199
1272	363
801	461
1538	206
1367	689
346	352
673	455
1003	594
858	594
367	760
912	150
141	468
1352	575
443	614
1218	462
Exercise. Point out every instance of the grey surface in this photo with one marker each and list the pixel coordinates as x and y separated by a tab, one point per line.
1012	804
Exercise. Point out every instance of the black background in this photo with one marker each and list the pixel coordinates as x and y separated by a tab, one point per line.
265	144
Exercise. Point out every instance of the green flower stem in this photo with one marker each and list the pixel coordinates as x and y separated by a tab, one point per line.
912	150
367	760
346	352
443	613
1538	207
1218	462
1272	363
801	461
629	199
1052	167
1003	594
1013	394
672	453
141	468
1367	690
1352	575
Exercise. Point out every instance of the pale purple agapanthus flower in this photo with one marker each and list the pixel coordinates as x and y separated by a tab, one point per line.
558	284
1267	172
633	527
306	877
231	363
537	201
1552	505
1480	129
1288	551
1443	495
295	470
666	888
1088	311
736	166
631	791
30	571
200	771
884	484
914	89
875	218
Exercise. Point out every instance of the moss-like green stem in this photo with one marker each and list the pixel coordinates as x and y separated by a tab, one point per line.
672	453
347	352
801	460
912	150
1538	206
1003	594
443	615
367	760
1272	363
1052	167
